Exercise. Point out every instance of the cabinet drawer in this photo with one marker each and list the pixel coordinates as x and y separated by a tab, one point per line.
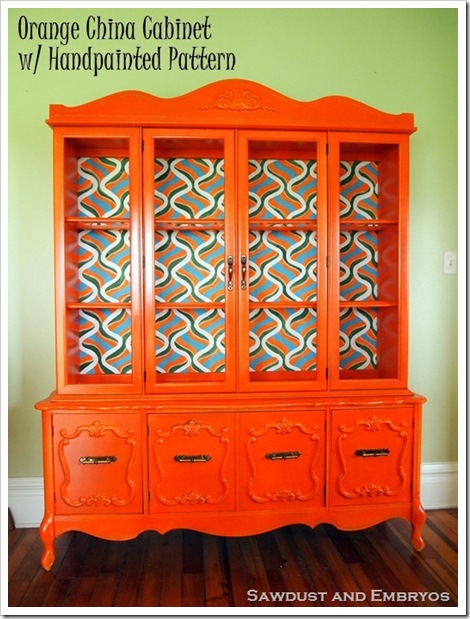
191	462
371	456
282	462
97	463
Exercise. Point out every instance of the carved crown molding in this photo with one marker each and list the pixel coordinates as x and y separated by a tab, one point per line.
237	101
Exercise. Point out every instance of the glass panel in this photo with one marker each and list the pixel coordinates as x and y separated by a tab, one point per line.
369	260
359	189
189	188
283	265
358	335
190	262
189	266
104	341
190	341
282	188
103	186
98	260
358	265
104	266
282	261
283	340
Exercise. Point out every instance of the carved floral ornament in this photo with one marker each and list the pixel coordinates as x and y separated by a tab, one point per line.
237	101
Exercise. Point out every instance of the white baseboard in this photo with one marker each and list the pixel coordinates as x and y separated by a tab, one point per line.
26	501
439	490
439	485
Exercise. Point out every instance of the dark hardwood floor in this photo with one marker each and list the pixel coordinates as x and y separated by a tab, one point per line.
292	566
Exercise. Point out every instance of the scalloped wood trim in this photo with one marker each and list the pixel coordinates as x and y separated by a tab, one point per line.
229	104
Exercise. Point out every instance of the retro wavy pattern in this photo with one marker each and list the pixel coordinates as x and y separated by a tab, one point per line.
358	266
283	340
103	186
104	341
190	341
359	191
189	188
104	264
283	265
282	188
358	339
189	266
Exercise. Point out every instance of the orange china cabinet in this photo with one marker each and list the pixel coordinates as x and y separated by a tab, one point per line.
231	316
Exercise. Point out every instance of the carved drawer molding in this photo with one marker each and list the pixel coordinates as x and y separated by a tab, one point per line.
98	430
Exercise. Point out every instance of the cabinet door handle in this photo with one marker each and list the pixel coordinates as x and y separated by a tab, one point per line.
192	458
283	455
243	263
230	272
97	459
372	453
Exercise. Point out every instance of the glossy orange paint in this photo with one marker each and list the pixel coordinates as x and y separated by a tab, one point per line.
139	433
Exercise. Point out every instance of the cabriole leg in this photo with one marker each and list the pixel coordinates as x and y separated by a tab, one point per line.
46	531
418	518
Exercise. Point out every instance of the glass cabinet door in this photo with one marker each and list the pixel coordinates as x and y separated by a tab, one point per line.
281	260
190	294
98	279
368	200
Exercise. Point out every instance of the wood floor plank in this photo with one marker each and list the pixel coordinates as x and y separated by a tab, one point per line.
151	581
294	577
415	574
172	568
238	577
323	581
446	523
256	577
131	574
215	572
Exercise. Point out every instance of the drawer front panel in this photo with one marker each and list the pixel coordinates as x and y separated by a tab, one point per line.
282	460
191	462
97	463
371	456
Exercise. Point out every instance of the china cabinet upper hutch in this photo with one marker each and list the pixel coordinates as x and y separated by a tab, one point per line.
231	316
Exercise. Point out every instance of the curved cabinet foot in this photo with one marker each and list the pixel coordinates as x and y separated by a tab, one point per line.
417	522
46	531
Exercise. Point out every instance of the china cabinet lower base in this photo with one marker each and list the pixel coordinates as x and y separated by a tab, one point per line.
227	525
231	467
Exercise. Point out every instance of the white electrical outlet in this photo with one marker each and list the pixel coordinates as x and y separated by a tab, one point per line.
450	262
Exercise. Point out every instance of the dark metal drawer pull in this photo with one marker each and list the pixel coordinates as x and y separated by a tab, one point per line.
230	272
192	458
283	455
372	453
243	263
97	459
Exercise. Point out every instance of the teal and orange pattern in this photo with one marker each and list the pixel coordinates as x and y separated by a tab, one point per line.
283	340
103	187
190	341
283	265
189	266
359	190
189	188
358	339
282	189
104	341
104	261
358	266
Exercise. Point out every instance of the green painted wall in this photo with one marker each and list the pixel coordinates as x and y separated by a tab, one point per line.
393	59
